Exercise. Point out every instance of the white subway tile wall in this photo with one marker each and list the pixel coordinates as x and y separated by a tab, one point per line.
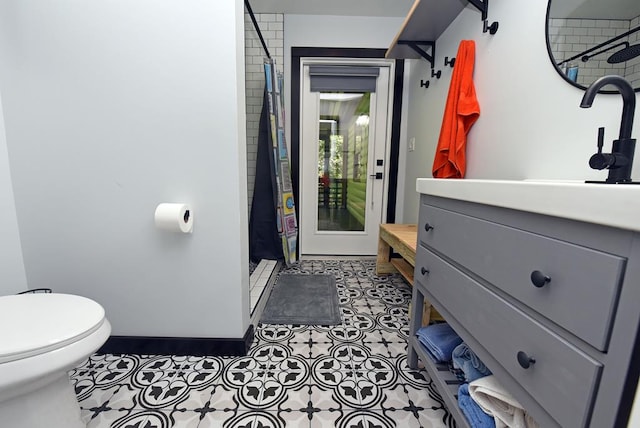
272	28
633	66
570	37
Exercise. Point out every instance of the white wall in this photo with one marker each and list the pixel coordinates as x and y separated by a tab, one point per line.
322	31
112	107
12	275
530	126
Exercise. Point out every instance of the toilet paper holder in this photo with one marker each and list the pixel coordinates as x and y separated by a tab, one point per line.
174	217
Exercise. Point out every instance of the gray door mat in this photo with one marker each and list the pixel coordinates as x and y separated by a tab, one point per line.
304	300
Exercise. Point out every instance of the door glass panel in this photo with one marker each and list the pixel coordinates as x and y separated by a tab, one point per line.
343	154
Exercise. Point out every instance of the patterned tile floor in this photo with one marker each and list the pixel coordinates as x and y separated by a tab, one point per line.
353	375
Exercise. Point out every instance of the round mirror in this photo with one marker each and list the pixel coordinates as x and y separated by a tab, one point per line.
588	39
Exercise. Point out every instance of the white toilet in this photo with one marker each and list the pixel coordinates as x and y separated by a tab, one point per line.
42	337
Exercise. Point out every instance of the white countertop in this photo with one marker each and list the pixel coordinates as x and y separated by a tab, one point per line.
616	205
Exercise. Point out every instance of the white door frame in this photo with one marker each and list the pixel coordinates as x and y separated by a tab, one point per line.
334	242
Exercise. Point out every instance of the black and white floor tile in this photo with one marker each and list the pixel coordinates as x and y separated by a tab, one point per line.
354	375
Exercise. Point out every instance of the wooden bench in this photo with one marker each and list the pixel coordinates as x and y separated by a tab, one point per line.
401	239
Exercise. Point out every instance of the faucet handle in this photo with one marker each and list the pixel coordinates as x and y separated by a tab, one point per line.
600	160
600	139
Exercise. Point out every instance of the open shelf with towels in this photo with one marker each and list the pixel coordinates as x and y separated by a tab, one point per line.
446	382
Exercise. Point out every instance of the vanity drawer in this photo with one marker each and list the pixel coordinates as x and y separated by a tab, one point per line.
562	380
506	257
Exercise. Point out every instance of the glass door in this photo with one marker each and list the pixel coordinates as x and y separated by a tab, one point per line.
343	162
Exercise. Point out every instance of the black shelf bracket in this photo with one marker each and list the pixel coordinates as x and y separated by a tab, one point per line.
429	57
483	7
417	46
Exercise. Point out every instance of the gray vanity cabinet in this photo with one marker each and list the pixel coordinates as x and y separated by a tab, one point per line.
563	293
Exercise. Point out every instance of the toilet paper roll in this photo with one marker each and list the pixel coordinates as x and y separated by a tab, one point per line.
174	217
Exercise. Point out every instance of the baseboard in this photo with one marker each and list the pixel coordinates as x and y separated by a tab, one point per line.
196	346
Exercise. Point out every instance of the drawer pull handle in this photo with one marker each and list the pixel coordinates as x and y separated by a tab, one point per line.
524	360
539	279
427	227
424	271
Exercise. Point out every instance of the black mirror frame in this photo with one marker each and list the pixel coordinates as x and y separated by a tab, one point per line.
553	61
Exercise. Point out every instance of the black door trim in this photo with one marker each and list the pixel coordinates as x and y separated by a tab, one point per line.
299	52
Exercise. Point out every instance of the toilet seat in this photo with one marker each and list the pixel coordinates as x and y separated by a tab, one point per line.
32	324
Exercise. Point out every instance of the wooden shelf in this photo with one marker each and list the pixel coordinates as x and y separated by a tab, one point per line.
402	238
405	269
446	382
426	21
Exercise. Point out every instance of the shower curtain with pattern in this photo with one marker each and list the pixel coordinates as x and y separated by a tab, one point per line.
273	228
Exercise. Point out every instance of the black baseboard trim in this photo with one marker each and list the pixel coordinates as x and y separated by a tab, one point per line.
196	346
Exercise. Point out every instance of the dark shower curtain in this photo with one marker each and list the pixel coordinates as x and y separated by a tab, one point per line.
264	240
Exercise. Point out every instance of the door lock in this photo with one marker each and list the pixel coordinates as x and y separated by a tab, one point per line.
377	176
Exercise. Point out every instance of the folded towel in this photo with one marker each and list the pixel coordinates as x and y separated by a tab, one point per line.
466	360
496	401
476	417
439	340
459	374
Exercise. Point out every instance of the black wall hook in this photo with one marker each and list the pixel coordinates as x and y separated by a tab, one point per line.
492	29
436	74
483	7
449	62
424	83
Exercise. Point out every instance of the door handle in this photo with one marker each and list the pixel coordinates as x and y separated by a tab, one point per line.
376	176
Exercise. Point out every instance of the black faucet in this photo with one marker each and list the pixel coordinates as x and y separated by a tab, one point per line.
620	161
